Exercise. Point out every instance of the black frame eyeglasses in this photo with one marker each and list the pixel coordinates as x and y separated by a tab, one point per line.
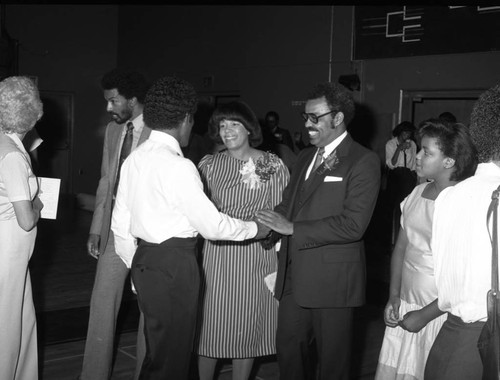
314	118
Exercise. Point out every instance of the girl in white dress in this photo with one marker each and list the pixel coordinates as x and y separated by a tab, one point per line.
411	315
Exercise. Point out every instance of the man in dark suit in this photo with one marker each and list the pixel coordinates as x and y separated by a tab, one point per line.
124	92
322	218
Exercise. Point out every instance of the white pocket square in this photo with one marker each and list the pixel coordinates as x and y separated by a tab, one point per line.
332	178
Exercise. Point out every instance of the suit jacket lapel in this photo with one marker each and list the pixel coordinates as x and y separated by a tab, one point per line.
146	131
114	146
299	185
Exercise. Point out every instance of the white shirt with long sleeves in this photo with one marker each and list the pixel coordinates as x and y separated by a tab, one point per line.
411	155
161	196
461	244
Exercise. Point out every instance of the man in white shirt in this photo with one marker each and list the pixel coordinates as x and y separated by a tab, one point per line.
462	250
160	209
400	159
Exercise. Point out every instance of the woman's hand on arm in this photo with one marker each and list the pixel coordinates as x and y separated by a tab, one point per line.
27	213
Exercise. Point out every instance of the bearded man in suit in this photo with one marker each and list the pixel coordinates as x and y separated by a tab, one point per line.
322	218
124	92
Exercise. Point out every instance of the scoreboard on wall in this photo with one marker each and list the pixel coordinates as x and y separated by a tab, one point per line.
405	31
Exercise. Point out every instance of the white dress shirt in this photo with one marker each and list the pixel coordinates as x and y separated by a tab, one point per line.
328	149
161	196
411	154
461	244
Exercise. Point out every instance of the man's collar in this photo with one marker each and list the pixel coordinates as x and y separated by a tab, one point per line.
334	144
166	138
138	122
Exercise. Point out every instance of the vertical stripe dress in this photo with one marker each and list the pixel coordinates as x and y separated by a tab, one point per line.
237	313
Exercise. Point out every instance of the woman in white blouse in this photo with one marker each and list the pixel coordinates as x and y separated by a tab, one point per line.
20	109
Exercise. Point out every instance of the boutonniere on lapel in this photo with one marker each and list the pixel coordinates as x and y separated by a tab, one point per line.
254	174
329	163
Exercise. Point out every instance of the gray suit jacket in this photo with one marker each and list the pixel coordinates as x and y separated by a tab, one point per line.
101	221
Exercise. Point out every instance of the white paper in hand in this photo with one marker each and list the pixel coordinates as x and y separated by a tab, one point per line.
270	281
49	195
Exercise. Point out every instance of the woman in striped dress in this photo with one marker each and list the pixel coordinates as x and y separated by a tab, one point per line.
238	313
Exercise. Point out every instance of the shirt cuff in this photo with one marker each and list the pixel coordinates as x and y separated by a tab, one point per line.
252	229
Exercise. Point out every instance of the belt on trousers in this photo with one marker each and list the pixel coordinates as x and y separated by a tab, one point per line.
172	242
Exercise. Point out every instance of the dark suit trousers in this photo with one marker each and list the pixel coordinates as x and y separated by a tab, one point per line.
454	354
300	329
166	277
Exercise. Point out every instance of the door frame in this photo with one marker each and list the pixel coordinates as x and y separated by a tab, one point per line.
408	96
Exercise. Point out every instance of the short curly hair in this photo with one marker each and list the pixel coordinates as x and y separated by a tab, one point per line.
337	97
128	83
20	105
404	126
455	142
485	125
167	103
235	111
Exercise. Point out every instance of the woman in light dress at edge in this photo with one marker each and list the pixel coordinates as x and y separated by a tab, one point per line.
238	313
20	109
411	315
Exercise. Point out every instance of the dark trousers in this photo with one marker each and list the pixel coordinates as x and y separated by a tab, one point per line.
166	277
454	354
304	331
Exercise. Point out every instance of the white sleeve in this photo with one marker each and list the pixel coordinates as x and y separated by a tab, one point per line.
14	171
125	243
413	156
203	215
390	148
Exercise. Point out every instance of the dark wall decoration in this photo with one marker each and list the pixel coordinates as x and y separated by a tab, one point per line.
406	31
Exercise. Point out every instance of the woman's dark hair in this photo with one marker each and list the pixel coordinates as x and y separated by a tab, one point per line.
455	142
404	126
447	117
235	111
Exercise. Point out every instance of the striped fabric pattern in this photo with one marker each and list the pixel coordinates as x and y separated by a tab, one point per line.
238	314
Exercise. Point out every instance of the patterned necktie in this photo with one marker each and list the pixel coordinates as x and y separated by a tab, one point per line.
125	151
319	159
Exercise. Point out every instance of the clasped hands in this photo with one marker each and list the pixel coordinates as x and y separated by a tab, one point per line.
268	220
404	145
413	321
